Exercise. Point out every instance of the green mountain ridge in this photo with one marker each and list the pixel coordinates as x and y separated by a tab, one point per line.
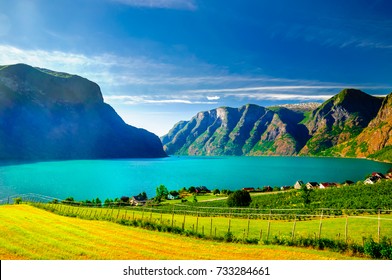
253	130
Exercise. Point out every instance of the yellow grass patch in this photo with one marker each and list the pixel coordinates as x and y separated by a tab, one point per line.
31	233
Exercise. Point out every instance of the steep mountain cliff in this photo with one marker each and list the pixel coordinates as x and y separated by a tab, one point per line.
340	119
50	115
352	123
375	141
248	130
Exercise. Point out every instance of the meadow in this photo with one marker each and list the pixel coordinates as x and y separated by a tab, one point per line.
28	232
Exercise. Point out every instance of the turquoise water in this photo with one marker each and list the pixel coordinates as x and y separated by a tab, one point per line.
87	179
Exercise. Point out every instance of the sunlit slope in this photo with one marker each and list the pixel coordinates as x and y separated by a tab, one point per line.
31	233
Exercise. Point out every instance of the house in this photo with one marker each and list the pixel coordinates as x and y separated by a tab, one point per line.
172	197
371	180
327	185
298	185
248	189
267	189
137	200
312	185
285	188
388	175
378	175
202	189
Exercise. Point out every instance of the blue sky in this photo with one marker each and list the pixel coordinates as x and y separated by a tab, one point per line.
162	61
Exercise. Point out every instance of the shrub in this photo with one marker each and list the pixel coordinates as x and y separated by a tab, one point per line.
17	200
239	198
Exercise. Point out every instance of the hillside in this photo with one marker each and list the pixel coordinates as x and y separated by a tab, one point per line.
50	115
375	141
345	125
28	233
340	119
248	130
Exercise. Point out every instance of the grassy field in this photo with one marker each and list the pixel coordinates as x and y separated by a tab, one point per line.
31	233
358	226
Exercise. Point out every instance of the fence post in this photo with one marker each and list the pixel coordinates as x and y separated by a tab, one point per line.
261	234
293	231
247	235
197	222
346	230
228	230
269	224
118	212
211	227
172	221
379	225
321	223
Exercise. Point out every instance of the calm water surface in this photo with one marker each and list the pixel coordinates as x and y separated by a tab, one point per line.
87	179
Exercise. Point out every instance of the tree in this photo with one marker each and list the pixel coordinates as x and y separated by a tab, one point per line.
305	194
174	193
98	202
216	191
143	195
239	198
192	189
17	200
161	193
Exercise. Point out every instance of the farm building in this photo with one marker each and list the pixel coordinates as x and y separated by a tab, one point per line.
326	185
312	185
298	185
137	200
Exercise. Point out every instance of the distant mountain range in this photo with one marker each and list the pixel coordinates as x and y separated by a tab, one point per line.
350	124
50	115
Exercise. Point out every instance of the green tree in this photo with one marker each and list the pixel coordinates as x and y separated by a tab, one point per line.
143	195
239	198
216	191
98	202
17	200
161	193
305	194
192	189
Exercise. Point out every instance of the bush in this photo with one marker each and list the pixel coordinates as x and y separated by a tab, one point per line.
17	200
239	198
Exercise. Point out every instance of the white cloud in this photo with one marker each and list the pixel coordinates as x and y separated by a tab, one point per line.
161	4
282	97
148	99
282	88
140	80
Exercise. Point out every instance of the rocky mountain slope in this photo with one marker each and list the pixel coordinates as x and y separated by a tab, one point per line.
50	115
340	127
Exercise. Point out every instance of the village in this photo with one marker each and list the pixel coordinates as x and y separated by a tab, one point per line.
183	194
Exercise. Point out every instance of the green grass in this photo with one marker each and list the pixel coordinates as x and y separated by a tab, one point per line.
31	233
214	224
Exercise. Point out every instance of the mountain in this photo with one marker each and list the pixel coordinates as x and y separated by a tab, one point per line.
340	119
248	130
351	123
375	141
50	115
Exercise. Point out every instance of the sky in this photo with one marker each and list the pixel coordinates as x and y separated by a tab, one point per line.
161	61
